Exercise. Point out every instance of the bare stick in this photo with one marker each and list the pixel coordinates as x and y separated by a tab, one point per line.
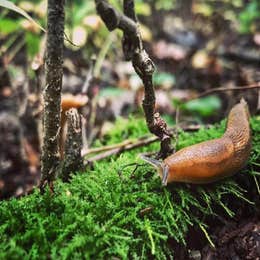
121	149
72	155
143	65
222	89
52	91
116	149
105	148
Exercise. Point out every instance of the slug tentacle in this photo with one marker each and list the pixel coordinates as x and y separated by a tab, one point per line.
165	174
155	163
211	160
163	169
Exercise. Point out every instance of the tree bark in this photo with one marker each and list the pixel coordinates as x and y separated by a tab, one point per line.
73	160
52	91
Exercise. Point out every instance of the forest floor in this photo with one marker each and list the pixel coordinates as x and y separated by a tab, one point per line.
193	53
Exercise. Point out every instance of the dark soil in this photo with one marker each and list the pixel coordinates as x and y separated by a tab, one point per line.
239	240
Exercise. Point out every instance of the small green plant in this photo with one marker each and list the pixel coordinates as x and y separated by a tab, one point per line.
249	16
106	213
204	107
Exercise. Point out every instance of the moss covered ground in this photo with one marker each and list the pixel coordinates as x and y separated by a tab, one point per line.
104	213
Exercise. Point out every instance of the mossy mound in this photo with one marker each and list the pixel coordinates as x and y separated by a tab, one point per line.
103	214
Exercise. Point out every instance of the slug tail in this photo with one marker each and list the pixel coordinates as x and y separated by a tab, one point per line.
163	169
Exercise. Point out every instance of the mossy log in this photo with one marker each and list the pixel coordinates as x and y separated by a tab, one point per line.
106	213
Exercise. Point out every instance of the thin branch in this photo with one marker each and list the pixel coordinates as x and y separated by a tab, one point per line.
105	148
120	149
66	38
143	65
116	149
113	19
222	89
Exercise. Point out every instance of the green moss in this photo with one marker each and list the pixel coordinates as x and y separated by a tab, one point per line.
103	214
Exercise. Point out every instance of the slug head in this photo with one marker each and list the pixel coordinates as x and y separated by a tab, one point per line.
161	167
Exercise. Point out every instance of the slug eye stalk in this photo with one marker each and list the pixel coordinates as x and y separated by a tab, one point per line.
162	168
165	175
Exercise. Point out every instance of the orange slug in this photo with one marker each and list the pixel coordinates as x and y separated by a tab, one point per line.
211	160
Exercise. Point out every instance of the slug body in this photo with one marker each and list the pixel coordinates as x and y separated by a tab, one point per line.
211	160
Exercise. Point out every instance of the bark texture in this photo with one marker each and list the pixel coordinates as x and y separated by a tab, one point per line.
72	154
143	65
52	91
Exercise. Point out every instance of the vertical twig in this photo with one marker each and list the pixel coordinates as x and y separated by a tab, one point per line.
52	91
143	65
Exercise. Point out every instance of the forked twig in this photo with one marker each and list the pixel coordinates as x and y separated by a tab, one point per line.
143	65
222	89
